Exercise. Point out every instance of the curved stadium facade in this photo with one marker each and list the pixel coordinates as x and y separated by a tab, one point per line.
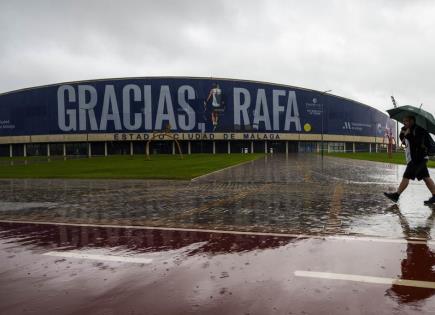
205	115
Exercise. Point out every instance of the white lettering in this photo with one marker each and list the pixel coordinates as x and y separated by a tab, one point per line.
186	107
276	107
241	108
71	113
110	104
292	107
261	112
165	101
87	106
126	114
148	107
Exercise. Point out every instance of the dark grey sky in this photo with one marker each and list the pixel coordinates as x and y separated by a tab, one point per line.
365	50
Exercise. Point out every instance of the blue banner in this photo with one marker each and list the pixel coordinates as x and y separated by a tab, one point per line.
183	105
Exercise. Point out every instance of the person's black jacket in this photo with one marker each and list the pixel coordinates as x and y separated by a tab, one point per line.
417	142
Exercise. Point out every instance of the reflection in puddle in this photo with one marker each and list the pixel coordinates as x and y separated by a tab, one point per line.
194	265
51	237
419	262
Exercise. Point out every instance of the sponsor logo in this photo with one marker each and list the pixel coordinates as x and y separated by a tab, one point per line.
307	127
314	108
347	125
6	124
352	126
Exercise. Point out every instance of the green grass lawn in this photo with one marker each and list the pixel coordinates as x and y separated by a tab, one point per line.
127	167
397	158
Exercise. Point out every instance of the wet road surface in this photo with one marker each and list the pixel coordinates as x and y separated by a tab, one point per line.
334	244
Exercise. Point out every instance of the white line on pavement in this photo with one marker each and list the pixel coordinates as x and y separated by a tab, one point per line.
221	170
365	279
253	233
127	259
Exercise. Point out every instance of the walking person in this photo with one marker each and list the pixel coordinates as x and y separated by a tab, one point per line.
415	139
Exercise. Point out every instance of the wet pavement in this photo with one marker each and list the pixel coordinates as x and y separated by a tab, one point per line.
279	235
297	195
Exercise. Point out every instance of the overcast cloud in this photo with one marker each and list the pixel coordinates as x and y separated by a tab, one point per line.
364	50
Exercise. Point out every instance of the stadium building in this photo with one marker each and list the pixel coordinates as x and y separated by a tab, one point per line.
197	115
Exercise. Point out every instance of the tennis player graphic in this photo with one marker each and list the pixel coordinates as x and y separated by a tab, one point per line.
216	98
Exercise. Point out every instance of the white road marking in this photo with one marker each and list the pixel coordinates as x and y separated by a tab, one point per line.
288	235
365	279
381	240
127	259
222	169
17	206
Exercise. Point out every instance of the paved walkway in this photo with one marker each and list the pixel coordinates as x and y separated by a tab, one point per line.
334	244
297	195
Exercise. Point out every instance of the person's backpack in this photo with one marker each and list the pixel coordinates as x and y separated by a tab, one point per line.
430	144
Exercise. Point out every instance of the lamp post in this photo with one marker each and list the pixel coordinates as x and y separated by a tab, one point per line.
323	93
397	123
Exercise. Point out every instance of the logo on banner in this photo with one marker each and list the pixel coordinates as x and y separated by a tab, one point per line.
352	126
347	125
6	124
379	129
314	109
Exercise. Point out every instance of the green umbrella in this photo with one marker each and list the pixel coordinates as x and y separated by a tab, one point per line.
422	117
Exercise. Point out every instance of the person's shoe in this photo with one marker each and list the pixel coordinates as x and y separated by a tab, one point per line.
430	201
392	196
